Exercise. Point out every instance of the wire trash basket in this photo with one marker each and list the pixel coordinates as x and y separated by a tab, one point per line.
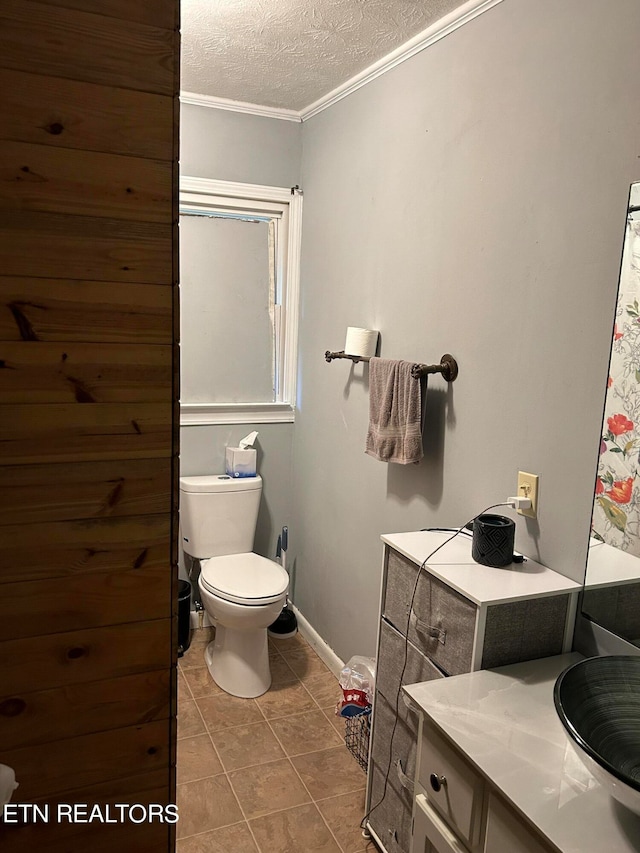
356	736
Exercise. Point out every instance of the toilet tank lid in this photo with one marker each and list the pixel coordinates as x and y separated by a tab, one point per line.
219	483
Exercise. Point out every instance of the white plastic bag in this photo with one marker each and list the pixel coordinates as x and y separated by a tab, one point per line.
357	679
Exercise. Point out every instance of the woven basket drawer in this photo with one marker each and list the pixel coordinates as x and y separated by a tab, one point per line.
390	662
391	818
445	624
405	739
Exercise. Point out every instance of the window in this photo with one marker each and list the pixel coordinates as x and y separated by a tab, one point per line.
239	274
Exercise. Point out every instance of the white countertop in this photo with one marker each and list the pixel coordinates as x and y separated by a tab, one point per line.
454	565
504	720
609	566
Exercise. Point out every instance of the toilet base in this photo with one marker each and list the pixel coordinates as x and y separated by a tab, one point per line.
238	661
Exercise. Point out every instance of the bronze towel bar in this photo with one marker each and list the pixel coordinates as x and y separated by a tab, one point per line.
448	366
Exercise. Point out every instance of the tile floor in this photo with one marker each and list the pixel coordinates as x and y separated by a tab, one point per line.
266	775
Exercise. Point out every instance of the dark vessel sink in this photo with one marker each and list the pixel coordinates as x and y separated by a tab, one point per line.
598	702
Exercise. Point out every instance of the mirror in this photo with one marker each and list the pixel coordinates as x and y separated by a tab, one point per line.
612	585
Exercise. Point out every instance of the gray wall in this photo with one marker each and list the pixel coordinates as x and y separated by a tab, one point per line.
470	201
231	146
202	452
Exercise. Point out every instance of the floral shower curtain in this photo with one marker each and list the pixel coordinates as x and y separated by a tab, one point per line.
616	510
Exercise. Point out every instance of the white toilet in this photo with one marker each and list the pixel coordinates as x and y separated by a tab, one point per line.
242	592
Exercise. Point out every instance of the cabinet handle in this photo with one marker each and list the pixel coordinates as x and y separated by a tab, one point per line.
405	780
437	782
430	630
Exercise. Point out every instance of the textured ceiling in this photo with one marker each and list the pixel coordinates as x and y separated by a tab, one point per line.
289	53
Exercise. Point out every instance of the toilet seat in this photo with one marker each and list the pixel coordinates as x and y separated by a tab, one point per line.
247	579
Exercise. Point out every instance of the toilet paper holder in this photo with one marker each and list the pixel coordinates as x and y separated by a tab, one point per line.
448	366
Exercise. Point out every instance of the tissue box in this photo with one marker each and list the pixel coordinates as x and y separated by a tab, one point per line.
241	462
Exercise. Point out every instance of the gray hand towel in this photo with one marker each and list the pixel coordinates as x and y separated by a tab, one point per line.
395	412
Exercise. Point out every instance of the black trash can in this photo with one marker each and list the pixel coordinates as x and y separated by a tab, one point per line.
184	616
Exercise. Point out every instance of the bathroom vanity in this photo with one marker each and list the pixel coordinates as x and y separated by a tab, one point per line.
465	617
496	772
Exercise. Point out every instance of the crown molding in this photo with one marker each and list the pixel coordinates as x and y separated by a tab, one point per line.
446	25
451	22
238	106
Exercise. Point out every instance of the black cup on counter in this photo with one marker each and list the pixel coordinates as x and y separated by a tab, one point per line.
493	540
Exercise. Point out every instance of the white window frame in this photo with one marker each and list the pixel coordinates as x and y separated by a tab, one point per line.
287	204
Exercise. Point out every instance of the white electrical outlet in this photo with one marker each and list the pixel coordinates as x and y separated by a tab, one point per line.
528	488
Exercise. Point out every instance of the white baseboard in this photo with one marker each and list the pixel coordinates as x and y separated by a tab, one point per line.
324	652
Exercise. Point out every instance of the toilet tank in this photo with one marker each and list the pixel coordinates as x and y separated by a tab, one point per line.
218	514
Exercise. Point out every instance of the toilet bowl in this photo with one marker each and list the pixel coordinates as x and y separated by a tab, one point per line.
243	594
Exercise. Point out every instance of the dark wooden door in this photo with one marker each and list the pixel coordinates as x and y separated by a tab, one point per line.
88	414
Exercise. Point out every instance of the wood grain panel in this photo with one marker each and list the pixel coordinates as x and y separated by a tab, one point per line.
43	309
159	13
44	493
50	40
92	837
73	657
115	790
56	837
78	432
85	373
56	245
88	397
66	549
88	759
45	607
46	715
70	114
84	183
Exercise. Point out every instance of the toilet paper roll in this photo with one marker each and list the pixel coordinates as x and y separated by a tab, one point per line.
362	342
